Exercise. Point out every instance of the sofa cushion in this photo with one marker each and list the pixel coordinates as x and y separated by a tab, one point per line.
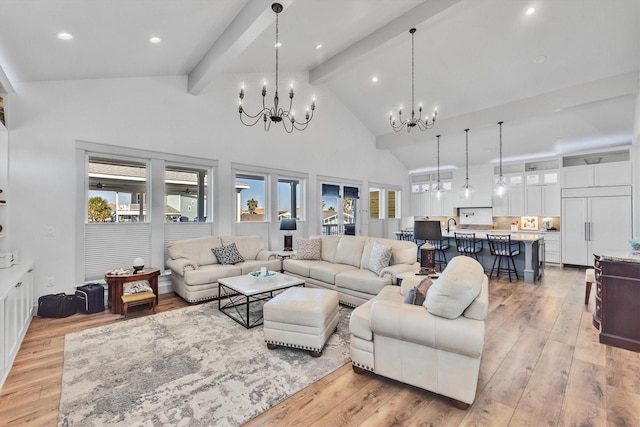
327	272
309	249
301	267
402	251
418	293
247	246
349	250
208	274
228	254
363	281
456	288
379	257
249	265
198	249
329	246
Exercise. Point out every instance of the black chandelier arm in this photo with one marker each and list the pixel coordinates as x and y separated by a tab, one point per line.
255	118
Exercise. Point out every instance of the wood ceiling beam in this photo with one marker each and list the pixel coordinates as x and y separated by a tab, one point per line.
425	11
247	26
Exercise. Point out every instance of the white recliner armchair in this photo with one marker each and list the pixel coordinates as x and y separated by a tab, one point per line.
437	345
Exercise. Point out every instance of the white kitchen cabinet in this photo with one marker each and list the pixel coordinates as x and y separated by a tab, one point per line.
552	247
593	221
420	203
542	200
16	307
512	202
600	175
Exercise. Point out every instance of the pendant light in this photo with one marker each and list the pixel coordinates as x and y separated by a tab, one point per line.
466	191
501	182
276	114
413	121
439	189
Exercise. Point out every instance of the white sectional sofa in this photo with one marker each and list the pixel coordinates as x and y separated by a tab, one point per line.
195	270
343	264
436	345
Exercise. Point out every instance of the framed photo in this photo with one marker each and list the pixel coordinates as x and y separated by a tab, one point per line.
529	222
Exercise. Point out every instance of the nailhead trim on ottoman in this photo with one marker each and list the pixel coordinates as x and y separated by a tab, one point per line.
301	318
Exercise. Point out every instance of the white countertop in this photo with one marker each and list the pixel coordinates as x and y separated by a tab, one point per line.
482	234
10	276
620	256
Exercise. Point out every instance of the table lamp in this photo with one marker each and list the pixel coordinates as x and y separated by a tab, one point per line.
288	224
427	230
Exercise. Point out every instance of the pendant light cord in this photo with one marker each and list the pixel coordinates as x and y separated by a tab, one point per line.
467	150
438	136
412	78
500	123
277	47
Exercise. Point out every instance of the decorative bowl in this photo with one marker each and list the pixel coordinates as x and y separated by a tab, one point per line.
259	276
592	160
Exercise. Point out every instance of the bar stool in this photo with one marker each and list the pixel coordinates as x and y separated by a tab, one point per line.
467	244
502	247
589	278
440	245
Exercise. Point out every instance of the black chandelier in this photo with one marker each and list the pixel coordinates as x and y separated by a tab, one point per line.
413	121
276	114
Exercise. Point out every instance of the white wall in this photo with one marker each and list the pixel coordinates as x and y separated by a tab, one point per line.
157	114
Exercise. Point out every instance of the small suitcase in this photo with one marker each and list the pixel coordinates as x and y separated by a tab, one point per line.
90	298
57	305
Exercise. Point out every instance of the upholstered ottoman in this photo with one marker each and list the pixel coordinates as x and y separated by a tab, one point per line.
302	318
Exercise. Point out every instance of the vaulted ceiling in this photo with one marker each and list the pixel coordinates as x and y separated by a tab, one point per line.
563	79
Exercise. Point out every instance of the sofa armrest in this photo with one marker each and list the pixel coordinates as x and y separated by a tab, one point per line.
413	323
265	255
181	265
392	271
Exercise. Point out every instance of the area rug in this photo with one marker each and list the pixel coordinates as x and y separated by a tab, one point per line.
188	367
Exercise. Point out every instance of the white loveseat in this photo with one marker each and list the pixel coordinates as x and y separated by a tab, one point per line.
195	270
343	265
406	342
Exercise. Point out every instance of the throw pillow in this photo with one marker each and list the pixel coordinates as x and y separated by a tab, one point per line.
418	293
379	258
309	249
137	287
456	288
228	254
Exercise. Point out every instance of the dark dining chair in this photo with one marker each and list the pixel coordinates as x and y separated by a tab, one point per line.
467	244
503	249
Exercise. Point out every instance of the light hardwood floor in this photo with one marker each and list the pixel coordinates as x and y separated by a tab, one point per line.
542	365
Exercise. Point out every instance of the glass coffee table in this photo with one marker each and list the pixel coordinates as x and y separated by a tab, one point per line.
241	297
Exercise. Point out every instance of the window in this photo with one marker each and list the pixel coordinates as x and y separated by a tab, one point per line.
289	198
393	204
374	203
250	198
185	194
117	190
339	208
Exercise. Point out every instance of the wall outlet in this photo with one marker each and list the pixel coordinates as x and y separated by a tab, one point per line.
50	282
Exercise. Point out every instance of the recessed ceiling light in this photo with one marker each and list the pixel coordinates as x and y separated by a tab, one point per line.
318	46
540	59
279	44
530	11
374	79
64	36
154	39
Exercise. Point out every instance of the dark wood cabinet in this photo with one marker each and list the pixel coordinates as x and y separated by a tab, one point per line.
617	300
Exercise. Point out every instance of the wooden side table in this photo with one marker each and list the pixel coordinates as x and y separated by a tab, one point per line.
116	285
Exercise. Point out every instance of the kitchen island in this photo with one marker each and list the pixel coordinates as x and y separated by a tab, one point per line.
617	298
529	263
